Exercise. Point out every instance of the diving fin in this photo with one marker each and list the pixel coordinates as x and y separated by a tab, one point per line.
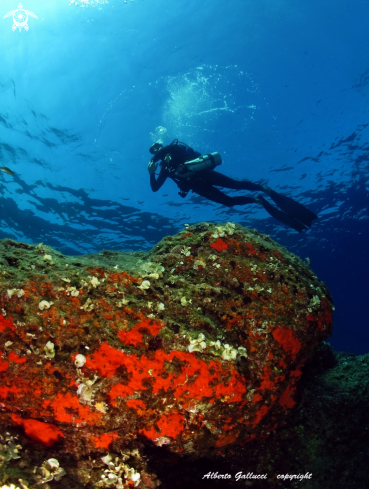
291	207
280	216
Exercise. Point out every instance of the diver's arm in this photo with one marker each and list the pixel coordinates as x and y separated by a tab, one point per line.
156	183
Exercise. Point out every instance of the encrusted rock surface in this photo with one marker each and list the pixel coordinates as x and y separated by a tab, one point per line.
195	347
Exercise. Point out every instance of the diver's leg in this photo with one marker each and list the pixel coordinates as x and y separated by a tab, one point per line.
280	215
215	195
291	207
288	205
211	193
220	180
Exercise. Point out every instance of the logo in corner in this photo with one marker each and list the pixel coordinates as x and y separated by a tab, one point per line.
20	17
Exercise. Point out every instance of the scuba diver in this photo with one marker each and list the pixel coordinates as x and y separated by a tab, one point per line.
192	171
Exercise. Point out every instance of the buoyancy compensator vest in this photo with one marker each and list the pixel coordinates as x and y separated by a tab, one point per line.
204	162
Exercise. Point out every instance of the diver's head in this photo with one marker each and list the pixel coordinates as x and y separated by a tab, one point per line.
155	148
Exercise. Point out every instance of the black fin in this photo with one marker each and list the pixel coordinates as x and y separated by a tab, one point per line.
281	216
292	208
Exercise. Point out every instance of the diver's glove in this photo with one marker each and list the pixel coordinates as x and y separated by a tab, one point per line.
152	166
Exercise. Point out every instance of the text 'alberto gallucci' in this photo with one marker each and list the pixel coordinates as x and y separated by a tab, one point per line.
238	476
251	475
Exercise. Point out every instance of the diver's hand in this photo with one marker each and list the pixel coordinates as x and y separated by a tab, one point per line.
152	166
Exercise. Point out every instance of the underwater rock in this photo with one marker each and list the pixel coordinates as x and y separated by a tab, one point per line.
323	440
196	346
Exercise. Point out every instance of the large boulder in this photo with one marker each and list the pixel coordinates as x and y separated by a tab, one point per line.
196	346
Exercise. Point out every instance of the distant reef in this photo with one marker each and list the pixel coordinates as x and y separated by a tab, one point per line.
188	366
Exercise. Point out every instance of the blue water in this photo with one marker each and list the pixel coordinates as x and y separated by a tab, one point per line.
279	88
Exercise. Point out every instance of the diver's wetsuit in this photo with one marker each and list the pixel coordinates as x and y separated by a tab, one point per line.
203	182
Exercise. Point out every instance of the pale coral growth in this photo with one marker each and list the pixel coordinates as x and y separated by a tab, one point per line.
118	474
88	306
216	348
153	270
72	291
49	349
122	302
18	292
162	440
242	352
230	228
229	353
80	360
314	303
107	459
199	263
94	282
216	345
85	389
186	251
227	230
48	471
102	407
197	345
144	285
9	449
185	302
45	305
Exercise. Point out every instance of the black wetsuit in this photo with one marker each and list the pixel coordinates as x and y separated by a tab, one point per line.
204	182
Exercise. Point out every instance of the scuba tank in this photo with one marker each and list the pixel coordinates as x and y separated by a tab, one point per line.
204	162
